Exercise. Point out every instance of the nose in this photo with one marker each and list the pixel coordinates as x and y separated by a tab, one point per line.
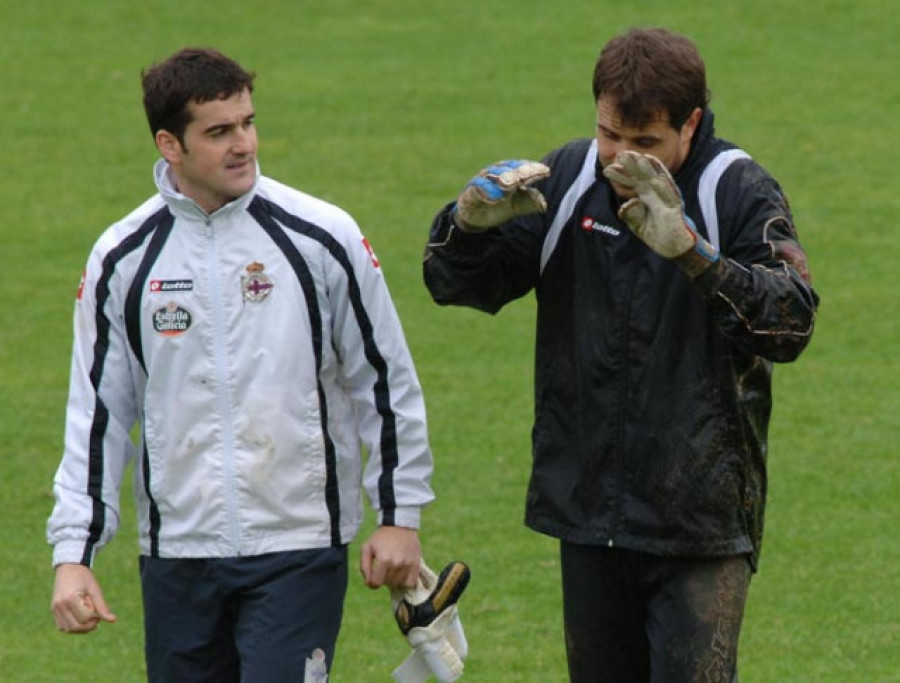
609	149
620	146
244	140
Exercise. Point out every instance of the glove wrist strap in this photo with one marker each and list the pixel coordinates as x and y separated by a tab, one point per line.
698	260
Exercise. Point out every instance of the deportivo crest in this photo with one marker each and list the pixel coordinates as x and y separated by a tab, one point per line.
256	285
172	320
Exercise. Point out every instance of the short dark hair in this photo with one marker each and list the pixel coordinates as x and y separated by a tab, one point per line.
648	70
190	75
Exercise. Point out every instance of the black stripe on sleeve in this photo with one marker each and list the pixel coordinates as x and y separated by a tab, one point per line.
101	412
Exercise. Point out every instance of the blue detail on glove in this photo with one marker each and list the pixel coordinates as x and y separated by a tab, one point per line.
701	246
502	166
492	191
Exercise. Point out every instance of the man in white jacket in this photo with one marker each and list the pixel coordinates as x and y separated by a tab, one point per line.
248	329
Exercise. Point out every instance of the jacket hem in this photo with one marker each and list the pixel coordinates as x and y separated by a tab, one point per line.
600	537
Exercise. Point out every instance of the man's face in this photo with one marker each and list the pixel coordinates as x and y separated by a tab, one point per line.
217	162
658	138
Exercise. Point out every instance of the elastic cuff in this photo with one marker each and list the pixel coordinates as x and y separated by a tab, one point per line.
69	552
408	517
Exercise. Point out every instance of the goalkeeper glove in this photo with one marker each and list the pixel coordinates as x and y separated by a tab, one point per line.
500	192
427	615
657	215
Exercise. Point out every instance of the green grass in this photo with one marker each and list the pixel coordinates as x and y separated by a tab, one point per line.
385	108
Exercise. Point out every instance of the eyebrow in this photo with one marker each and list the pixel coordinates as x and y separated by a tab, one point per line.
216	127
645	138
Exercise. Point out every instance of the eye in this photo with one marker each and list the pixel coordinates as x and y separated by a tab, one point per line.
608	134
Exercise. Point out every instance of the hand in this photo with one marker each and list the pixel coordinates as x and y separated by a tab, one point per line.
78	603
656	215
391	557
501	192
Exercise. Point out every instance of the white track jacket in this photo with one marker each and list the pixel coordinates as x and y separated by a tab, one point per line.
258	348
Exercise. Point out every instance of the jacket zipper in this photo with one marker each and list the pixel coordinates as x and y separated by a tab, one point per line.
224	397
622	404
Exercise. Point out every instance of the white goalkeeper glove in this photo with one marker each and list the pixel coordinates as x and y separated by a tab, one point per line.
427	615
657	215
500	192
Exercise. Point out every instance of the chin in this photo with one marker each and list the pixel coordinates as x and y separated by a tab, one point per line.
242	188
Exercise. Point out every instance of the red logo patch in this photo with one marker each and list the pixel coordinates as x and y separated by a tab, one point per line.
371	251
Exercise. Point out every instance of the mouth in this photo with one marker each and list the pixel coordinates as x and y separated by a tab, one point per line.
241	165
621	191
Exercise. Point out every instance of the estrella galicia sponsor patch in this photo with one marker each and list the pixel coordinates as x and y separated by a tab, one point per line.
171	285
172	320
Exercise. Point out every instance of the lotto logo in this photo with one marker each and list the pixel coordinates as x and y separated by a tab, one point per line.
588	223
171	285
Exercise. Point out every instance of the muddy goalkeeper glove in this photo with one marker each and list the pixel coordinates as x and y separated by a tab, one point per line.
500	192
657	215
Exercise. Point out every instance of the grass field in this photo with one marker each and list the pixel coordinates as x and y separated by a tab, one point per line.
385	108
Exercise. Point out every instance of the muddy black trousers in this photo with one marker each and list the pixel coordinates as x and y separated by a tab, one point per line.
264	618
631	617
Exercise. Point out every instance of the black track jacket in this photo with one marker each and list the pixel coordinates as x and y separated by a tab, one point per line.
652	391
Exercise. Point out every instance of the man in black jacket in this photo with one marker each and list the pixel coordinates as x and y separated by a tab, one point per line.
669	278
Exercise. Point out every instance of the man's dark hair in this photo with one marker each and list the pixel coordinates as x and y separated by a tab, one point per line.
191	75
648	70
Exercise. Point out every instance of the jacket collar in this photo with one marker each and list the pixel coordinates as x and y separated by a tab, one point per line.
702	136
184	207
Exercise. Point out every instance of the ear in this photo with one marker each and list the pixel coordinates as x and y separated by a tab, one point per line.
169	146
687	130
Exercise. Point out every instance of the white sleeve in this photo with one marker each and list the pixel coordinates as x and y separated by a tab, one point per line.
379	374
100	412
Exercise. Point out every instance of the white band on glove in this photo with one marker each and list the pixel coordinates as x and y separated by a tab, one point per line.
438	650
428	616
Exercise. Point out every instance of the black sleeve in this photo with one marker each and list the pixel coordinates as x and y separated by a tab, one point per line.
487	270
761	287
483	270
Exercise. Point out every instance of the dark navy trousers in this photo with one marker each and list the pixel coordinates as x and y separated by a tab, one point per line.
253	619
